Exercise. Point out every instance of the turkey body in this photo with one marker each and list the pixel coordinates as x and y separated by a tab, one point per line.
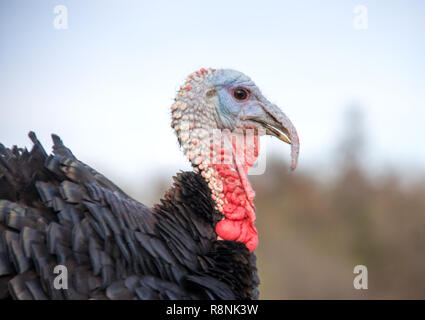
57	211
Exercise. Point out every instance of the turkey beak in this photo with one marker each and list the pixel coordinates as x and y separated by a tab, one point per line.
279	125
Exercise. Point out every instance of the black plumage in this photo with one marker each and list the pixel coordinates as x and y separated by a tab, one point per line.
197	243
55	210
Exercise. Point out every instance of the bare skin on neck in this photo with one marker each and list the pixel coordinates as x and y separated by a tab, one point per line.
213	99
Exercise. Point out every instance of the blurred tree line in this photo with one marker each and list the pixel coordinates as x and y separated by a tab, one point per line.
312	233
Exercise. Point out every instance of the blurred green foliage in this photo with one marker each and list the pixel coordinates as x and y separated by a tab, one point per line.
313	231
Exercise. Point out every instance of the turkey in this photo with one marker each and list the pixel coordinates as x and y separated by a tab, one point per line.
67	232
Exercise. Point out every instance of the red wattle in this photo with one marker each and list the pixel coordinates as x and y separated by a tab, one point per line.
228	229
238	196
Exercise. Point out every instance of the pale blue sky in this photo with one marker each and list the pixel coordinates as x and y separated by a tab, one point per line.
106	83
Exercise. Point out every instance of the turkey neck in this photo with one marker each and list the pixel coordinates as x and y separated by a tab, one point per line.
230	164
222	157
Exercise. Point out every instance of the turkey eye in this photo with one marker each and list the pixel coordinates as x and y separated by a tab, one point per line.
241	94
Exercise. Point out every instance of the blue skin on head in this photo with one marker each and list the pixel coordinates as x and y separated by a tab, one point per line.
231	112
254	111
